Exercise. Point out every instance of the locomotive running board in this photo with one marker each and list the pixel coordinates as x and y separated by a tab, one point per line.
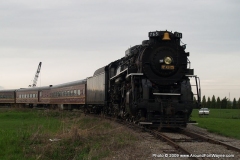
145	123
166	94
191	75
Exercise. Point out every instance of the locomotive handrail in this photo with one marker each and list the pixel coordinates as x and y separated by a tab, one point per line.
134	74
197	79
119	74
198	86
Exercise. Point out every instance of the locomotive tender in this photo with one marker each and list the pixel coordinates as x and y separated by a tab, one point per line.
150	85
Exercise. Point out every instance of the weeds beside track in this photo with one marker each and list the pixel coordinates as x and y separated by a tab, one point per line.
47	134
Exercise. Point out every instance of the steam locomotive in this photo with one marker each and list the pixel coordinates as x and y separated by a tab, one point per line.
150	86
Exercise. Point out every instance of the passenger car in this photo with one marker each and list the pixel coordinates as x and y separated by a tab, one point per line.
204	111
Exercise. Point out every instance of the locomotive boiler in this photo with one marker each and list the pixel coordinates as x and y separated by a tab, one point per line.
150	85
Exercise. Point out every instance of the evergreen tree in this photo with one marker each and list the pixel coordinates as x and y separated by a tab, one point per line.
229	104
209	103
213	103
204	101
218	105
224	103
234	106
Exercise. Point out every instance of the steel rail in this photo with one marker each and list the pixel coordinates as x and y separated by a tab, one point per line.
170	142
155	133
196	135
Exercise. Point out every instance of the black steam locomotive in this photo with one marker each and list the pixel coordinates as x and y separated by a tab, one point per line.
150	85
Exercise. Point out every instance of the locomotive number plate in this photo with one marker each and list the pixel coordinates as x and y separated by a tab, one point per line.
167	67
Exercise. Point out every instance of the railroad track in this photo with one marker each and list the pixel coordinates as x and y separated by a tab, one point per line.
198	146
188	144
198	136
171	142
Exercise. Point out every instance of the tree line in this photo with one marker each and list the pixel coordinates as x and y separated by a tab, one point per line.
224	103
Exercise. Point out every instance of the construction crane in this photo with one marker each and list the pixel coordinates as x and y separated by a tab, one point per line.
36	76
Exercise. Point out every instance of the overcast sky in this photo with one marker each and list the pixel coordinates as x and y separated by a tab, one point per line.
73	38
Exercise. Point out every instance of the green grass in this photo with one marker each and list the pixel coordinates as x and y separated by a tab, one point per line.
221	121
17	128
25	134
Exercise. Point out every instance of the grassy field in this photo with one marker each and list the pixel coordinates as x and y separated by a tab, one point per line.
221	121
43	134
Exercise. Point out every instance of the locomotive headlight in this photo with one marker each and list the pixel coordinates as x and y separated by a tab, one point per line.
168	60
